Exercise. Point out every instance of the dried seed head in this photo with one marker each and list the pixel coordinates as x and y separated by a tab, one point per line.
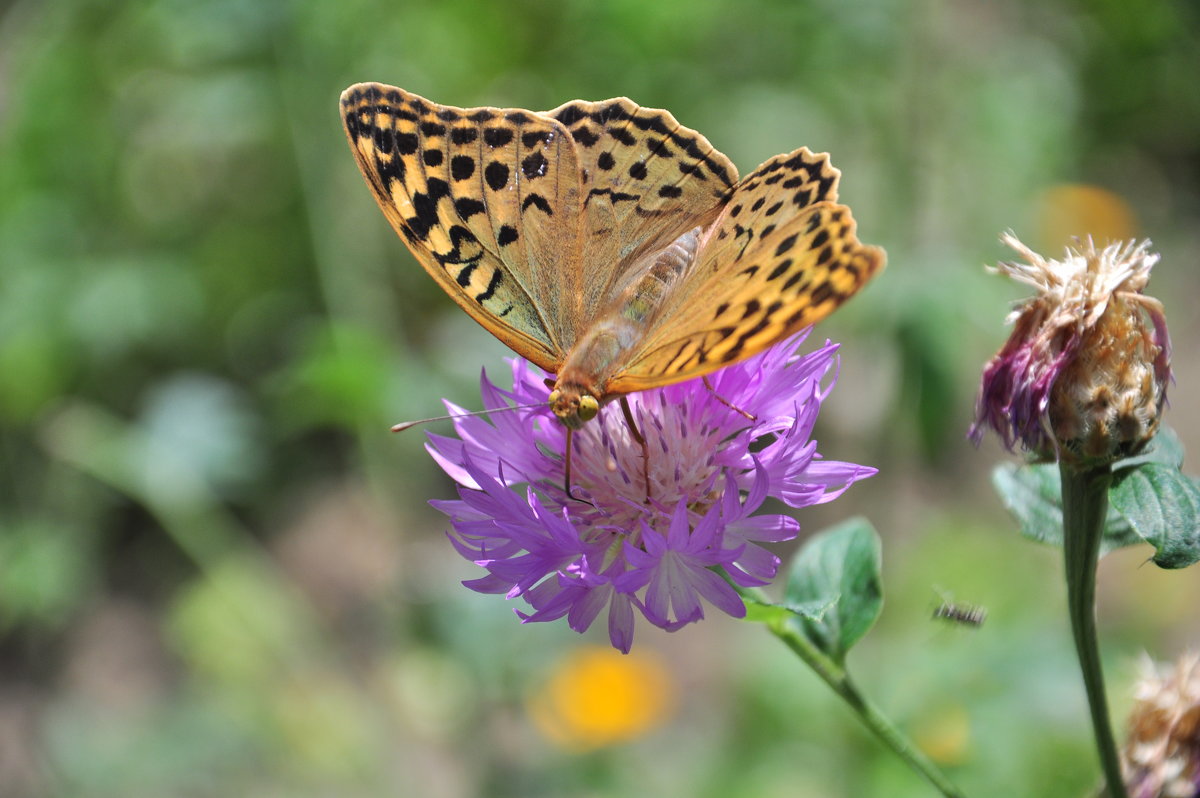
1161	757
1083	375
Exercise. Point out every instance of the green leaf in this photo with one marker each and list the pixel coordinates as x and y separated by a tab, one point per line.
1163	507
1033	494
834	589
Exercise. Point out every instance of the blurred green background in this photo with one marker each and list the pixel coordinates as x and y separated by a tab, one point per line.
218	571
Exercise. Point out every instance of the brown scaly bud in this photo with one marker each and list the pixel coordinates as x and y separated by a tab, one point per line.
1084	373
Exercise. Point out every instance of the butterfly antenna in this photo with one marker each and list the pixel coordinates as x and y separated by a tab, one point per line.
403	425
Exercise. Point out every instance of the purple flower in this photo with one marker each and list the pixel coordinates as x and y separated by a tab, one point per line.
617	547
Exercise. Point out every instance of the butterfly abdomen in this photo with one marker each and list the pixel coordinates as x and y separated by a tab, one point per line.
622	324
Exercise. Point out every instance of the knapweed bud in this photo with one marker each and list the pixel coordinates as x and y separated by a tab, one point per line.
1084	374
1161	758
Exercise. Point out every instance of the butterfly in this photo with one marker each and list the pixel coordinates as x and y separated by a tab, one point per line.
605	242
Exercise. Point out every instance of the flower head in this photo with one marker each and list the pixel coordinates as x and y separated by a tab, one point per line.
642	531
1084	372
1161	758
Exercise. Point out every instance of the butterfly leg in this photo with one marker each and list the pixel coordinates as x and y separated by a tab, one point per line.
726	402
637	436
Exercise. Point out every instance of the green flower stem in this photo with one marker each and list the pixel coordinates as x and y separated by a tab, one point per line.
836	676
1085	506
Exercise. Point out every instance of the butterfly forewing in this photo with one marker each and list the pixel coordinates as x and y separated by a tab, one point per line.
487	200
646	180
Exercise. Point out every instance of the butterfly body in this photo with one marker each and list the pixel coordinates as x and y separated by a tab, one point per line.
618	329
606	242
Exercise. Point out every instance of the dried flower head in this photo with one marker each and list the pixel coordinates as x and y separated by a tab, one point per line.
1084	373
611	548
1161	758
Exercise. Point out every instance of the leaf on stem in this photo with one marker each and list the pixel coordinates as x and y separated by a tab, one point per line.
1163	507
840	569
1150	501
1033	494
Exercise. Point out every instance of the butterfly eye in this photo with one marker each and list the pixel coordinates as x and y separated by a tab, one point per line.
588	407
555	396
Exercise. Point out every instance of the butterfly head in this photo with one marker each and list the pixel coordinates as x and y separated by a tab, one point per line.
573	406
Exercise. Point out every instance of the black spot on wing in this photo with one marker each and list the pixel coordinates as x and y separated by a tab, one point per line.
497	136
622	135
463	277
534	166
468	207
496	175
535	137
491	289
736	350
406	143
462	167
537	201
821	293
793	280
614	196
383	140
425	207
655	122
507	235
585	136
391	170
570	115
463	135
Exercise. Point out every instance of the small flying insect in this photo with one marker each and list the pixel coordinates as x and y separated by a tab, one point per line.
964	614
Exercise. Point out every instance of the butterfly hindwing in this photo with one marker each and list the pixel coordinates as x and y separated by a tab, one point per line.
769	198
462	187
727	310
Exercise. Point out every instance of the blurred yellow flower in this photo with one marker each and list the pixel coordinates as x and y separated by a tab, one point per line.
945	735
1077	210
595	697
